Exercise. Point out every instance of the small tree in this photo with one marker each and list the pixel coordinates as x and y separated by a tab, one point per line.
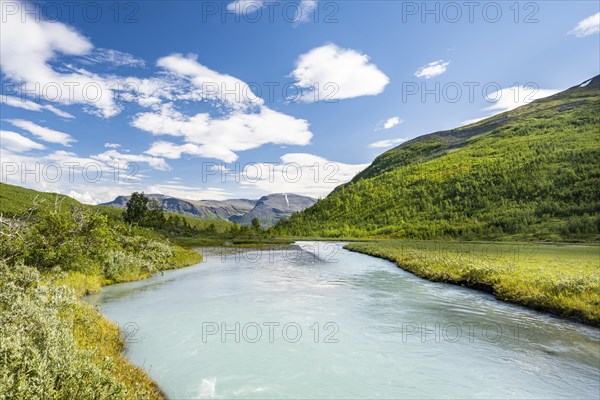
136	209
255	224
154	214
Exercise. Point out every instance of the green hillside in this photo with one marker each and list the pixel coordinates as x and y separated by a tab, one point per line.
15	200
532	172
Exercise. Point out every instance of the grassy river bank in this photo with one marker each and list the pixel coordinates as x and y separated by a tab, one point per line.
557	278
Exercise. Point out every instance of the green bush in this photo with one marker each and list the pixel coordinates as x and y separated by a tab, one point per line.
38	354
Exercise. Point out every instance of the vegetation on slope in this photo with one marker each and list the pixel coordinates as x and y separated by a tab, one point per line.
531	173
564	280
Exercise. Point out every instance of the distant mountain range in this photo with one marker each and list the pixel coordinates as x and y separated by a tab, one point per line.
268	209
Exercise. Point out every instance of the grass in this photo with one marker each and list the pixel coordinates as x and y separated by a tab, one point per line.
15	200
102	338
561	279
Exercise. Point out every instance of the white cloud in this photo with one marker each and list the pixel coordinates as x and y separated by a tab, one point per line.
41	174
339	74
112	145
221	138
510	98
188	192
245	6
515	96
174	151
46	134
432	69
114	58
58	112
26	48
212	85
392	122
472	121
382	144
587	27
32	106
111	157
306	9
300	173
18	143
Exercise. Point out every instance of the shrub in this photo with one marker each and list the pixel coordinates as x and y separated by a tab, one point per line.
38	353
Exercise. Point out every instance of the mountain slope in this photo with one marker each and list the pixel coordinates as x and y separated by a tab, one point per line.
532	171
272	208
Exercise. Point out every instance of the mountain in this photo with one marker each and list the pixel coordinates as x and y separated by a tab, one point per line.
529	172
272	208
204	209
269	209
223	209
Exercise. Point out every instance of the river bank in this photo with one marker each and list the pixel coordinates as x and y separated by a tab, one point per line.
563	280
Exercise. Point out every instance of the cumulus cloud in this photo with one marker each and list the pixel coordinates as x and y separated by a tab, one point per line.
221	138
26	48
515	96
587	27
391	122
111	157
32	105
432	69
339	73
509	98
245	6
18	143
46	134
212	85
382	144
112	145
246	123
300	173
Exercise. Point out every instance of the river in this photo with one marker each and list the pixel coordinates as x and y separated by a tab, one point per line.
318	321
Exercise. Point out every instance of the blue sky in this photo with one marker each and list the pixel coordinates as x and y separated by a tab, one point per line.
154	73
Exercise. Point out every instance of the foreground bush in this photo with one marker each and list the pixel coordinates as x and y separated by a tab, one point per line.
53	346
84	243
45	345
